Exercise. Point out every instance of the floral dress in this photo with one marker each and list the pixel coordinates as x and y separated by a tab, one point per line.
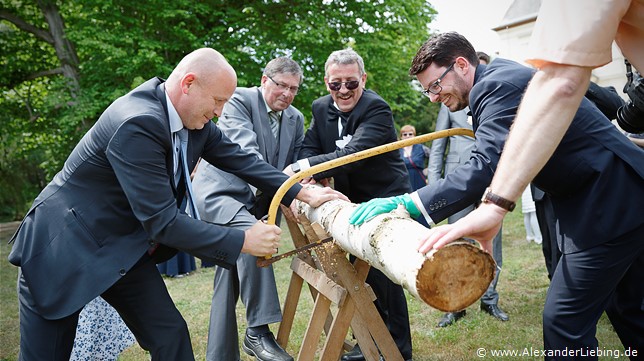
101	334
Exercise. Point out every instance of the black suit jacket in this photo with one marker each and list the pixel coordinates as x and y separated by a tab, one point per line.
369	124
115	198
595	177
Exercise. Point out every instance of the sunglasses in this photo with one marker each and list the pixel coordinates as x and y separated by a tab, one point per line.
350	85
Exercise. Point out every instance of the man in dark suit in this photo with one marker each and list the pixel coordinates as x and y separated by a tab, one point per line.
248	119
446	155
594	180
349	120
608	102
117	206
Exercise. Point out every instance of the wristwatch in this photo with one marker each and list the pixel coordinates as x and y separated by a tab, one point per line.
295	167
489	197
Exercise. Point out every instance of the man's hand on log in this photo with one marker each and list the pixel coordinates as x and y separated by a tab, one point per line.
316	196
376	206
482	224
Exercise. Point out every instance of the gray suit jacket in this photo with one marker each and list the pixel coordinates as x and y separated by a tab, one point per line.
219	194
460	147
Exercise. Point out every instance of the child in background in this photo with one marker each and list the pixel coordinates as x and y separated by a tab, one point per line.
530	217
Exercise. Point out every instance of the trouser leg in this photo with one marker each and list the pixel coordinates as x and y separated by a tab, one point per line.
626	308
258	292
534	225
392	307
223	341
255	285
529	234
584	284
491	296
42	339
547	226
143	301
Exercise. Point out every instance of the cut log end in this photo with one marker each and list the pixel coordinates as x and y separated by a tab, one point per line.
455	276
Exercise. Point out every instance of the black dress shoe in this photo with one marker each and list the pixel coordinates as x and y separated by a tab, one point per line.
382	358
495	311
450	317
265	348
354	355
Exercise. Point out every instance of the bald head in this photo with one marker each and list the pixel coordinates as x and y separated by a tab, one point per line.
204	63
200	85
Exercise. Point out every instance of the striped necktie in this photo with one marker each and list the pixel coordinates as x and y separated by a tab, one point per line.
274	119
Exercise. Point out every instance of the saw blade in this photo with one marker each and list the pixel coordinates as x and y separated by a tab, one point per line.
265	262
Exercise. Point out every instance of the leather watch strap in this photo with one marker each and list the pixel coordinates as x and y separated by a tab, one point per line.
489	197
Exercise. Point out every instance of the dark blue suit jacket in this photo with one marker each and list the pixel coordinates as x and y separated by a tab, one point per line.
595	176
115	198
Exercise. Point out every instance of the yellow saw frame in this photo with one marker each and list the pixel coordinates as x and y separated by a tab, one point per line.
350	158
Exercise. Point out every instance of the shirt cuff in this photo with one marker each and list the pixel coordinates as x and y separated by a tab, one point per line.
414	197
304	164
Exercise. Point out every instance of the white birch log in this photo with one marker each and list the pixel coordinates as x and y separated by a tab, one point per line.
449	279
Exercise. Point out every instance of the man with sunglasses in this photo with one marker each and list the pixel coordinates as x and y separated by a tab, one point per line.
262	121
594	180
348	120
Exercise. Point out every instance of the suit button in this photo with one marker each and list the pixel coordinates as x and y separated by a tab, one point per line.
122	272
151	243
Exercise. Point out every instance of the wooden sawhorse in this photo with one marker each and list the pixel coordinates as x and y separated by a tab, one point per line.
333	279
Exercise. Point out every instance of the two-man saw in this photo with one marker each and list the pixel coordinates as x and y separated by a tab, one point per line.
350	158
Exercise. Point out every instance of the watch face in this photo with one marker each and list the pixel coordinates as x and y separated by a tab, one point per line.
484	199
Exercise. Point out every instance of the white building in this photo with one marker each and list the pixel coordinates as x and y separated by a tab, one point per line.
515	31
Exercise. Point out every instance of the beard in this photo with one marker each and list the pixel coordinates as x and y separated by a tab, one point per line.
458	99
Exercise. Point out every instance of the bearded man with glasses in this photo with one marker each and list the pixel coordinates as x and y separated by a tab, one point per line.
348	120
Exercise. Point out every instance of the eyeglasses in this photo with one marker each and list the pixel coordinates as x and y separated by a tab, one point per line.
284	87
350	85
435	87
407	134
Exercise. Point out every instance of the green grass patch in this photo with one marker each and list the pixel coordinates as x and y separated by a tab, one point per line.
522	287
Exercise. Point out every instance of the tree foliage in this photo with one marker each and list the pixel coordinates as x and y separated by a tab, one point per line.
63	62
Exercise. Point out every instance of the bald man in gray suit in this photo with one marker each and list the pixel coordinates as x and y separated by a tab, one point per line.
444	160
248	119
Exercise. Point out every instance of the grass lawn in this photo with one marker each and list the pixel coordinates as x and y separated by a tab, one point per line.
522	288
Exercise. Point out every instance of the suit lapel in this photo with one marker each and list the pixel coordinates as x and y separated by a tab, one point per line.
265	140
169	160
